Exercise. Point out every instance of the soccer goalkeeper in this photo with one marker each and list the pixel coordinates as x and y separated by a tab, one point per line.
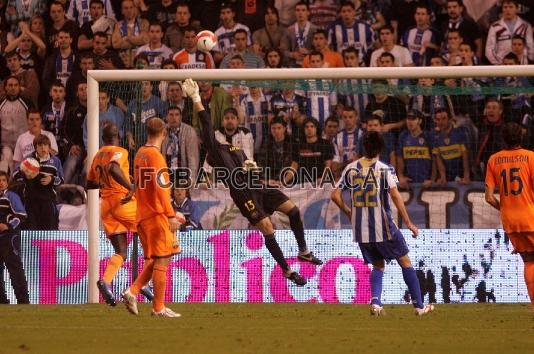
255	204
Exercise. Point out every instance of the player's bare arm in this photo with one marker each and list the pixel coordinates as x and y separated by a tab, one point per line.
115	171
338	200
490	198
399	203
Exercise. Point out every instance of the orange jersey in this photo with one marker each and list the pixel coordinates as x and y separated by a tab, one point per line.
153	190
99	169
512	172
196	60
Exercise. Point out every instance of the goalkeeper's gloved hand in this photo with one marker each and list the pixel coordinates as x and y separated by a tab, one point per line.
250	166
190	88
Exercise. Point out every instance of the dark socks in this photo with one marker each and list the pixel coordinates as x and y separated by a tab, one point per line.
275	251
295	222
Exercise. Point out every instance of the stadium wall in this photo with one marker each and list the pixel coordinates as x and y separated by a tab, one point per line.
233	266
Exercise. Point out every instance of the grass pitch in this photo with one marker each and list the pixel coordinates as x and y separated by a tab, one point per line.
266	328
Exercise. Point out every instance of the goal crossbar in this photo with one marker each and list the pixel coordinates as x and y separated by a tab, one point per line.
96	76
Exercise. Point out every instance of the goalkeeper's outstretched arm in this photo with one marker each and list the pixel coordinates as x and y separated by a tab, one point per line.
190	88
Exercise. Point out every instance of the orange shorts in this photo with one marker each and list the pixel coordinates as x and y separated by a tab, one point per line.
118	218
156	237
522	241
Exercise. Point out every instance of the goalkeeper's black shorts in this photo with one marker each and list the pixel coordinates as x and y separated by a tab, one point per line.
257	204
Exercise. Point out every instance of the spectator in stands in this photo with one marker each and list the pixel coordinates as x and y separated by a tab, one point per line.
106	113
189	57
182	203
469	29
354	96
323	12
151	106
451	53
215	100
253	112
225	33
105	58
286	9
174	35
53	118
40	192
17	11
471	104
29	83
98	23
519	48
24	44
168	64
393	110
60	24
251	60
437	60
276	152
81	12
347	141
414	152
13	112
321	98
273	58
516	105
300	35
175	98
374	123
87	62
320	44
181	147
387	40
155	50
312	159
162	12
291	107
422	40
450	150
12	215
24	145
429	103
362	35
401	16
129	33
499	40
73	133
490	134
273	35
60	64
331	128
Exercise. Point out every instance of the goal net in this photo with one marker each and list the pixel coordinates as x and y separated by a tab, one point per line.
302	127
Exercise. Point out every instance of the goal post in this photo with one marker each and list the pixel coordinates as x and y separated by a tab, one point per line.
95	77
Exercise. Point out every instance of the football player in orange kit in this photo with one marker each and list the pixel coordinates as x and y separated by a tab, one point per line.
110	172
511	171
156	220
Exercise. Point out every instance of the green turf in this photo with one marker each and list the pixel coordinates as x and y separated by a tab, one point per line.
266	328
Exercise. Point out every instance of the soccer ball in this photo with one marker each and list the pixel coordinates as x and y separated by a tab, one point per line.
206	40
181	218
30	167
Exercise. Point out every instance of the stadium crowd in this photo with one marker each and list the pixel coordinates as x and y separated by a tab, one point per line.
47	47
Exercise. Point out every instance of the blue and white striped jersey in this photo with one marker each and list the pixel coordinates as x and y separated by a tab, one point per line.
369	181
225	38
255	120
414	39
320	98
360	36
346	144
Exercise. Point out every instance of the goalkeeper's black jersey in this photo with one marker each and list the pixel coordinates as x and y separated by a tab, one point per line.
219	155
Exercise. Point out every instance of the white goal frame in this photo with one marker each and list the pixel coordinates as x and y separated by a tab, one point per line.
96	76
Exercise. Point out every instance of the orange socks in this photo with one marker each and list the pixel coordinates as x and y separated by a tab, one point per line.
529	280
159	278
115	263
143	278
